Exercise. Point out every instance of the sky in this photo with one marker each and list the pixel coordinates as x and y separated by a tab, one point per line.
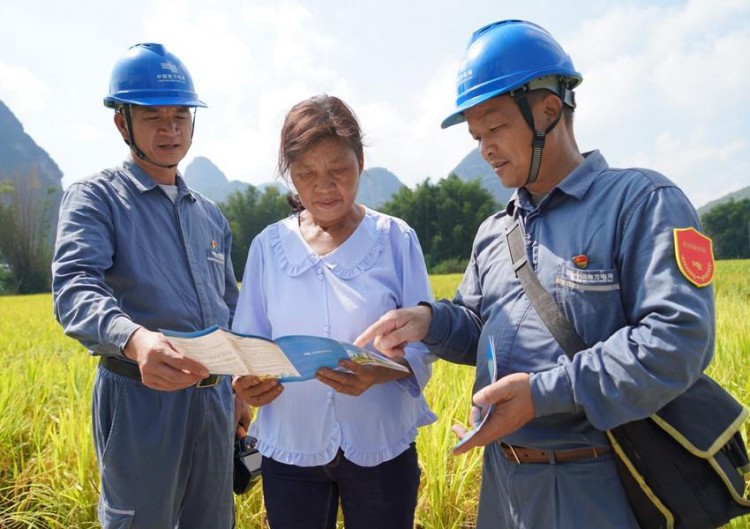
666	83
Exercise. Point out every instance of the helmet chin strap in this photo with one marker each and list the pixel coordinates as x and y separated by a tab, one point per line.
537	144
137	150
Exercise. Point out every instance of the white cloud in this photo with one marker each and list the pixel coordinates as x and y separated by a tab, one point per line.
665	84
703	170
405	135
664	87
703	63
23	91
295	41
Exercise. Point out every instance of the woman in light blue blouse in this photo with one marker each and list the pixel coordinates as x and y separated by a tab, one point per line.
331	269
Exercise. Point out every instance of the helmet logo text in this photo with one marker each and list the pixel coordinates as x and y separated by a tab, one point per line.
172	67
464	74
174	76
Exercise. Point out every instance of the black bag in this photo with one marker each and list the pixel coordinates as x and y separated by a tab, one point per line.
686	466
246	464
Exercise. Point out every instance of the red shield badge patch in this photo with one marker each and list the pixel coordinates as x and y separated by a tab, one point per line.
695	256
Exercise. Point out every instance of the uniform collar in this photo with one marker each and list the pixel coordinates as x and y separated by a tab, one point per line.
575	184
143	181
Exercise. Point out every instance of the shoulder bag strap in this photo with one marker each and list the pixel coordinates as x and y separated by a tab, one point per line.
545	305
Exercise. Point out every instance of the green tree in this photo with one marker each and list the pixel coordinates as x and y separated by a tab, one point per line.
25	245
248	213
445	216
728	224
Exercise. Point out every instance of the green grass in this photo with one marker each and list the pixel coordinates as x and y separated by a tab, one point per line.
48	474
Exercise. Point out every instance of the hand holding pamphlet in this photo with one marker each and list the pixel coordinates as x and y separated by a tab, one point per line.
288	358
485	411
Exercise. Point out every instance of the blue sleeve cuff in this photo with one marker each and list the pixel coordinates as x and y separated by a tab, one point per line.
439	325
120	330
552	392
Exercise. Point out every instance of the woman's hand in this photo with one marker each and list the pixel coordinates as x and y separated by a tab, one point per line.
257	392
360	379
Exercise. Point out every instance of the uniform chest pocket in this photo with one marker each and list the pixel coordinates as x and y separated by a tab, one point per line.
215	260
216	256
589	295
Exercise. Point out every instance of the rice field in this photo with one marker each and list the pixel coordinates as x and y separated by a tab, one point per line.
48	474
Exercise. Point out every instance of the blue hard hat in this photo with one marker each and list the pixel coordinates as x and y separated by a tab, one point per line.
149	75
507	55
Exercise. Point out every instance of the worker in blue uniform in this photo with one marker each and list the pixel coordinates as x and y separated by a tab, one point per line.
620	251
138	251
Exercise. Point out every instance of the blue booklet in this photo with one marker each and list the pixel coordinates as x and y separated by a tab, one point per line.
288	358
484	411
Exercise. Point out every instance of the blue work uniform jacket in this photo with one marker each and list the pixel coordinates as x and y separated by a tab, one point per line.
127	256
650	330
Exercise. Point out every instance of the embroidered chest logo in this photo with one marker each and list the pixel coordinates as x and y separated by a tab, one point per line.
590	277
695	256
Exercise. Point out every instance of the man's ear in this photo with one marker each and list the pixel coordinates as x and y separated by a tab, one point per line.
122	127
547	111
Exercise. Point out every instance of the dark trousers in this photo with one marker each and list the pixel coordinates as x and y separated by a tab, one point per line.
380	497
